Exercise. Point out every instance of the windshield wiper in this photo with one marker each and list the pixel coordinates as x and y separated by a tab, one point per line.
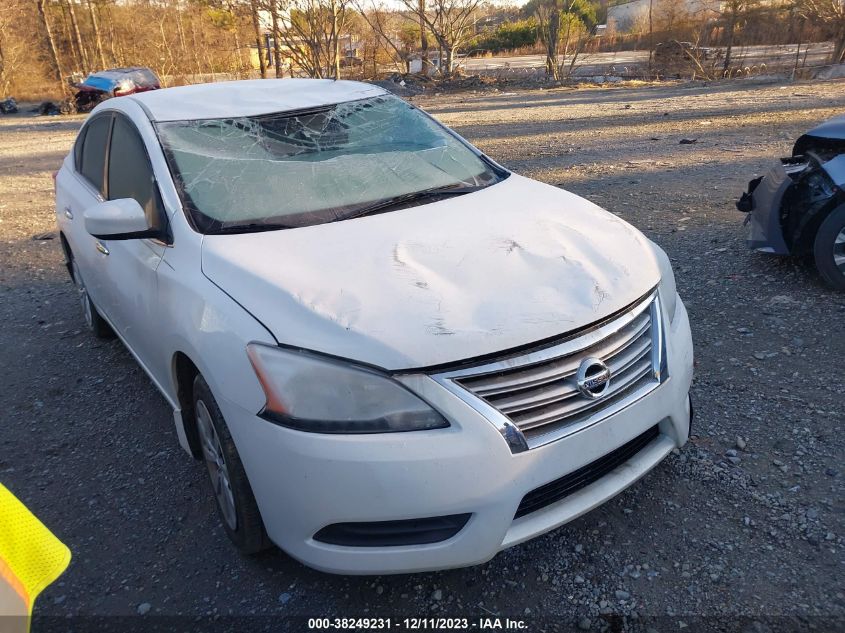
251	227
384	205
378	207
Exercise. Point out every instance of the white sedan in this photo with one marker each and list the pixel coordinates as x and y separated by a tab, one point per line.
392	353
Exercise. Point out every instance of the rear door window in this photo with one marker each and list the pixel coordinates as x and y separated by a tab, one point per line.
92	163
77	150
130	172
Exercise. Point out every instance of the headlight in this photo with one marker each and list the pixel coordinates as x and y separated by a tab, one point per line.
307	392
668	291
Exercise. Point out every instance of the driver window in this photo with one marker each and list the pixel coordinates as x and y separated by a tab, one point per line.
130	173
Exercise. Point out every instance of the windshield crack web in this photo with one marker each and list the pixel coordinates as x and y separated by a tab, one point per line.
309	167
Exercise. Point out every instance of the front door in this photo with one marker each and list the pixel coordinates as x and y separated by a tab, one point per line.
132	301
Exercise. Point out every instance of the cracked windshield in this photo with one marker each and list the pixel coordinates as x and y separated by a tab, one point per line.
290	170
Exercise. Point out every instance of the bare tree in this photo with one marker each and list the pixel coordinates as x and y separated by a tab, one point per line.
569	19
672	15
301	38
180	32
5	28
86	66
277	37
9	58
114	46
734	12
829	14
66	33
451	24
256	27
334	36
4	76
577	36
377	18
548	26
312	33
165	51
425	62
95	27
650	35
55	59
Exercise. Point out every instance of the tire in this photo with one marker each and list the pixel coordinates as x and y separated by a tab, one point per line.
829	249
236	504
93	321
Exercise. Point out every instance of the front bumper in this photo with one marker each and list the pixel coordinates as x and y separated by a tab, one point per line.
304	482
762	202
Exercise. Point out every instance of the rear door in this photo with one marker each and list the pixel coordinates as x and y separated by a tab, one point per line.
80	184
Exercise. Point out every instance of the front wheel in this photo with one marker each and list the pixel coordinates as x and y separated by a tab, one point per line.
829	249
235	502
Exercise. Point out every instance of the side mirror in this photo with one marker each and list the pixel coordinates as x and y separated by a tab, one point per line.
122	219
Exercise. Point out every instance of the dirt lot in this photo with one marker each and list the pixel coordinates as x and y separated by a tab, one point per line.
746	523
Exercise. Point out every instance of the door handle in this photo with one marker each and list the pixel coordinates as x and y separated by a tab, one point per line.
68	213
102	248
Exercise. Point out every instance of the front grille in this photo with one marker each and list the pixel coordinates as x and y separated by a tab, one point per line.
559	488
538	392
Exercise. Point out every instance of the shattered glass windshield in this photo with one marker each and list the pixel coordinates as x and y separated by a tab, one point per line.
297	169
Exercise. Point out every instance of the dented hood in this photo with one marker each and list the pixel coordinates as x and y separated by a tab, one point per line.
463	277
833	129
830	134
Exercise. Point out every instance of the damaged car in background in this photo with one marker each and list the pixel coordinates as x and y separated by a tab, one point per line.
114	82
391	353
798	207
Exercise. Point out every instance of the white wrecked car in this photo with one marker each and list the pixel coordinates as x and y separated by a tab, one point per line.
393	354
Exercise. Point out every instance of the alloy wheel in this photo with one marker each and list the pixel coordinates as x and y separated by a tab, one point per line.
839	251
84	301
212	452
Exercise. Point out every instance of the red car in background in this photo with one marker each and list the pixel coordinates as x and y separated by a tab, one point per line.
114	82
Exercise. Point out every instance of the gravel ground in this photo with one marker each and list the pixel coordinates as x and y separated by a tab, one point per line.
743	528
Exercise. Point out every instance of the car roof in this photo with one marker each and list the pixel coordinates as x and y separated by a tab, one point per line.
252	97
113	72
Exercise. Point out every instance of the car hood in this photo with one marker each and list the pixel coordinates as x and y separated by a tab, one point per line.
832	129
512	264
830	134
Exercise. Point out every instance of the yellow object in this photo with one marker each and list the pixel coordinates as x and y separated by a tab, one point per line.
31	558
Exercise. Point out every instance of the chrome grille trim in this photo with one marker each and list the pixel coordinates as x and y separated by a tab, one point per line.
532	398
